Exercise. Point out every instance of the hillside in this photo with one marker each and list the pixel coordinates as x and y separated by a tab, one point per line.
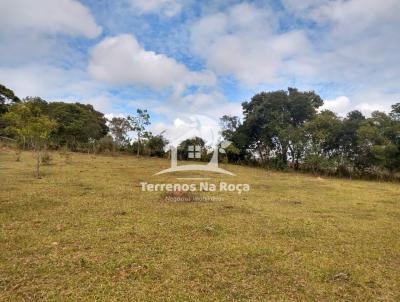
86	231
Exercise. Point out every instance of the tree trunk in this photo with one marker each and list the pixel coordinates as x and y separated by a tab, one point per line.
138	146
296	162
292	155
260	152
284	154
37	172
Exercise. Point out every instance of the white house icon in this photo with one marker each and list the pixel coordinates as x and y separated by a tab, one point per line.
212	166
199	127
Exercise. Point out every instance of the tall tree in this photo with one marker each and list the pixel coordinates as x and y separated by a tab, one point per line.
395	113
7	98
350	148
139	122
119	128
78	124
229	125
322	147
385	141
274	119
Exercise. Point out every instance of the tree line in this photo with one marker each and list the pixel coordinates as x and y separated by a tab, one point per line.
40	126
286	130
282	129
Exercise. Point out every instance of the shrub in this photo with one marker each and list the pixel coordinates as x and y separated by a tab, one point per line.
46	158
105	145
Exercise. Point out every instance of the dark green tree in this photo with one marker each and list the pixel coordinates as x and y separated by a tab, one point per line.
322	148
78	124
155	144
274	120
395	113
7	98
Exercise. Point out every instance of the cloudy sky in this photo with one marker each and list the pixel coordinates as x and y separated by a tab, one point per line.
181	58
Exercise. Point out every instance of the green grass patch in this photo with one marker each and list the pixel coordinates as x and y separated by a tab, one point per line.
86	232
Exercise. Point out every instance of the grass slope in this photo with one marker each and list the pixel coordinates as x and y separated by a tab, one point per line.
86	232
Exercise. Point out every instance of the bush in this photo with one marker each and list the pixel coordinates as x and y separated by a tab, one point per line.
105	145
46	158
18	154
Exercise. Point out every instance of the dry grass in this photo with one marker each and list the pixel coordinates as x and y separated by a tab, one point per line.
86	232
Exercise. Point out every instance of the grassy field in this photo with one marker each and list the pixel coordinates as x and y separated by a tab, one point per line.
87	232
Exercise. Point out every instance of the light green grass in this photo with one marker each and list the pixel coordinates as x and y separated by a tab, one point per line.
86	232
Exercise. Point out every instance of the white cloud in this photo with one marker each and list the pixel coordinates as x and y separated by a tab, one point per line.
356	37
110	116
195	114
244	42
354	44
101	103
34	32
367	108
339	105
34	80
57	84
366	102
188	127
357	48
201	102
372	99
48	81
368	13
47	16
342	14
213	104
189	115
349	48
121	60
304	7
168	8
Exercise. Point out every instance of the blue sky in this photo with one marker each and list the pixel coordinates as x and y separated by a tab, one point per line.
182	58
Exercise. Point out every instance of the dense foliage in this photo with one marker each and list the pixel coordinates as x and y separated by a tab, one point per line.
7	97
75	127
77	124
280	130
283	129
